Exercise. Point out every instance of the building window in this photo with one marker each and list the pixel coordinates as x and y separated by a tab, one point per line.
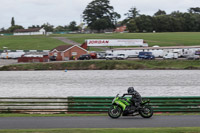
74	53
55	54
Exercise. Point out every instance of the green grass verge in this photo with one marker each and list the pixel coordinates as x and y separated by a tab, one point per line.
109	65
108	130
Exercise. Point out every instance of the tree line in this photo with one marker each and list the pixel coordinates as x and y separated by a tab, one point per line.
162	22
99	16
48	27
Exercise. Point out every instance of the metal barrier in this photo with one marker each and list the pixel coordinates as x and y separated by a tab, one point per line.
34	105
92	104
159	104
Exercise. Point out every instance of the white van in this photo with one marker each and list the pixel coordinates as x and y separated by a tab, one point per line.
121	57
109	56
3	55
11	55
171	56
193	57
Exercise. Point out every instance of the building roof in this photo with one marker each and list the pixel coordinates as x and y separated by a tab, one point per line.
28	30
62	47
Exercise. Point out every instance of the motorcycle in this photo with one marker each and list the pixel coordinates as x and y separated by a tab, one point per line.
122	105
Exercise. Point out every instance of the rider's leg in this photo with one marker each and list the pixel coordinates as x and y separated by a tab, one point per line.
137	104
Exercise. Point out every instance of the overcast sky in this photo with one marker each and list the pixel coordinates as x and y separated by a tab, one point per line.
62	12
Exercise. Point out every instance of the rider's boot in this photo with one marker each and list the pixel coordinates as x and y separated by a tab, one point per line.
132	109
138	107
126	111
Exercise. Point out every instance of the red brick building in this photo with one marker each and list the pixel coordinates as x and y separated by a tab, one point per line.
41	58
120	28
67	52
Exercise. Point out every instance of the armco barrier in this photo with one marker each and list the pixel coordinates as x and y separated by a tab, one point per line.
92	104
159	104
34	105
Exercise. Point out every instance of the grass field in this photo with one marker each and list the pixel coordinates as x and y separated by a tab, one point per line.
29	42
108	130
47	43
161	39
109	65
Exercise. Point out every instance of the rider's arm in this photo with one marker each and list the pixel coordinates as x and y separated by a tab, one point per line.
126	94
129	94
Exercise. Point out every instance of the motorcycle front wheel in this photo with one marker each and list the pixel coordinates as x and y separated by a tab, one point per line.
114	111
146	112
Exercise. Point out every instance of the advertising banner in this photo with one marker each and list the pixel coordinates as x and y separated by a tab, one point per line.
115	42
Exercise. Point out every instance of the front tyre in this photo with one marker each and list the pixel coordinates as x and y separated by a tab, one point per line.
114	112
146	112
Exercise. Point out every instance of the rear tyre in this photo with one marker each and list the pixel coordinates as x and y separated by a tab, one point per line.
114	112
146	112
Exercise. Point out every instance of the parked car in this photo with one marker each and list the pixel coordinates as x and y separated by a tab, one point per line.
52	58
101	55
109	57
146	55
84	57
171	56
93	55
193	57
121	57
197	53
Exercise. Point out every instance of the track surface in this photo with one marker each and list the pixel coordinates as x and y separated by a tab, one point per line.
98	122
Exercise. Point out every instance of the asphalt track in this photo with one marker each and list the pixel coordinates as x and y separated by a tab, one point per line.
98	122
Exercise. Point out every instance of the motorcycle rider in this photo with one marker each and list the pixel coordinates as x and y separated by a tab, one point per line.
136	98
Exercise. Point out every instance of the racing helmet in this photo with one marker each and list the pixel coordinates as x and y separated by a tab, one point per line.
130	90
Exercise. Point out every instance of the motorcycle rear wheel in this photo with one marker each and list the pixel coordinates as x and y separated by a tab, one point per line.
146	112
114	112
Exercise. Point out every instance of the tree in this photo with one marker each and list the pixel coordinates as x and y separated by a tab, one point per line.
144	23
2	29
48	27
131	26
12	21
162	23
191	22
160	12
99	15
34	26
15	27
61	28
176	14
72	26
132	13
101	24
178	21
194	10
130	20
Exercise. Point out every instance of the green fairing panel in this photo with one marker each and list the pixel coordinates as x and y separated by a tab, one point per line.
121	103
125	102
129	99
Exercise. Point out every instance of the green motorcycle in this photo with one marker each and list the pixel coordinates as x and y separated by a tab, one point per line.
122	106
